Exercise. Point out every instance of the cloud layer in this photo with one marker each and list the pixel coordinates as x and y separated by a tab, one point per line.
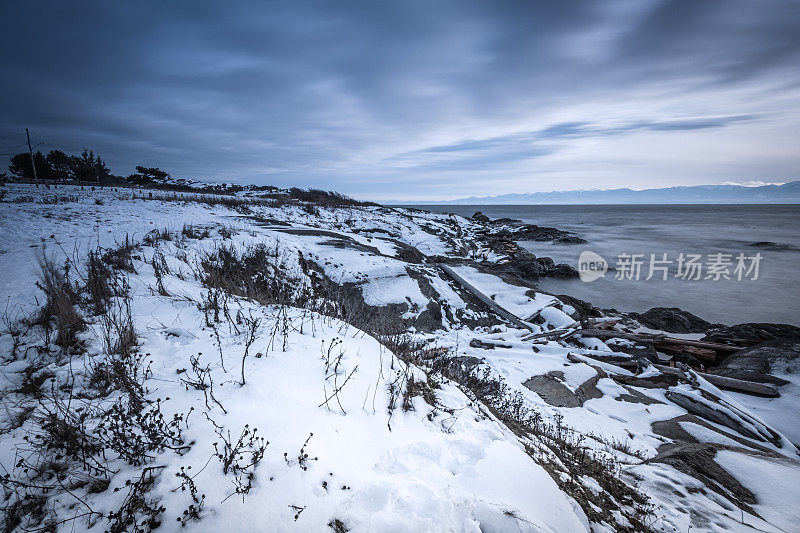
417	99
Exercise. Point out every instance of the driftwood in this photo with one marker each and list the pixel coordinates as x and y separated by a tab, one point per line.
494	306
661	381
477	343
656	339
733	384
703	354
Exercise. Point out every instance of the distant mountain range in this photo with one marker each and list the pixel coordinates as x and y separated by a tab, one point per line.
788	193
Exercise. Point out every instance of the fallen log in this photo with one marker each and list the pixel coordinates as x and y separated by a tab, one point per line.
491	304
661	381
656	339
703	354
477	343
733	384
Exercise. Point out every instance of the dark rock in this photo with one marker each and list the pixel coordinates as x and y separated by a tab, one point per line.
562	270
582	308
480	217
697	460
769	245
552	391
532	232
758	362
503	221
672	320
571	239
752	333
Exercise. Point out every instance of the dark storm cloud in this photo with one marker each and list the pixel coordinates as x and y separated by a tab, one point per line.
363	96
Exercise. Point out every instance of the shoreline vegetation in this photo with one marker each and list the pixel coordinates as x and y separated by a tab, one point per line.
301	359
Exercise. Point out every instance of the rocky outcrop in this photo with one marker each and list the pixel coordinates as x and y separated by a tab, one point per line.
759	362
752	333
672	320
551	389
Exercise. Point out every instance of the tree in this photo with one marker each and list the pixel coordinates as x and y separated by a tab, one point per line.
21	166
61	164
88	167
145	175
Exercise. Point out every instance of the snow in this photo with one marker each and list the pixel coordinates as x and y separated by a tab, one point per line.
451	466
774	482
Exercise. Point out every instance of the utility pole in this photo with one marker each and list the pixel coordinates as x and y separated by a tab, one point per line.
33	163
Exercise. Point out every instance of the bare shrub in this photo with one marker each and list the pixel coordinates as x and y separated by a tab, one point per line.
120	258
61	297
156	235
99	281
192	232
259	273
239	457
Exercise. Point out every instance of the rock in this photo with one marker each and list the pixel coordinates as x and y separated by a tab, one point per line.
769	245
752	333
583	309
672	320
532	232
759	362
552	391
480	217
697	460
562	270
550	388
570	239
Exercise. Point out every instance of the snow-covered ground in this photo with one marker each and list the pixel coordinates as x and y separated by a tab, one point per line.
354	442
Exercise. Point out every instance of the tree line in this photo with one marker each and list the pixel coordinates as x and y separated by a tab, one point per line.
86	166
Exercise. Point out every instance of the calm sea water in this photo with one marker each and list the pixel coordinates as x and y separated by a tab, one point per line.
674	229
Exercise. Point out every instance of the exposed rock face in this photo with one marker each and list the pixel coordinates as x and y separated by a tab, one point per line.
532	232
480	217
758	362
583	309
555	393
523	264
571	239
697	460
750	334
672	320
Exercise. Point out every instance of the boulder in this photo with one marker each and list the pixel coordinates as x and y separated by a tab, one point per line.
769	245
752	333
759	362
480	217
672	320
570	239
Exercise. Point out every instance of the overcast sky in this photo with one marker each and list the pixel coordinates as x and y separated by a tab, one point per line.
412	99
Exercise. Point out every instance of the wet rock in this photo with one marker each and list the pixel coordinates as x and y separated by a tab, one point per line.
672	320
532	232
752	333
769	245
570	239
480	217
561	270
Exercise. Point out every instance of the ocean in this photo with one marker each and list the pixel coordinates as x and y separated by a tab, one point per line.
635	238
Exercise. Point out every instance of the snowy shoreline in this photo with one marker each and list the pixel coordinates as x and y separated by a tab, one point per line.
420	407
